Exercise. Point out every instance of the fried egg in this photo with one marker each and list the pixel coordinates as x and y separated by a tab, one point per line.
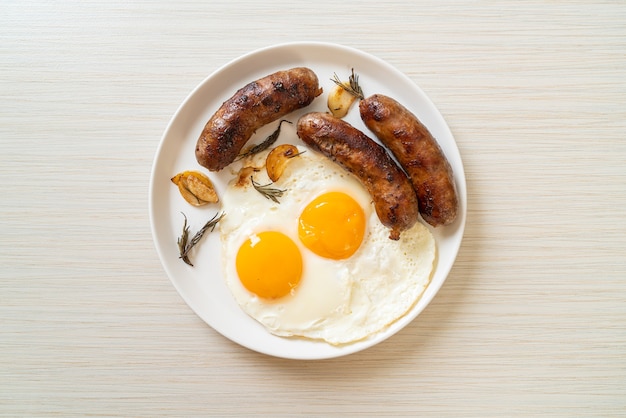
319	264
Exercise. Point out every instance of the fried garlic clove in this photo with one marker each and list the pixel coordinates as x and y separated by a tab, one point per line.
278	158
340	100
195	187
201	187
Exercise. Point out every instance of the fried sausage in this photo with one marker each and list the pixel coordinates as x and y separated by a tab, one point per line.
418	153
251	107
394	199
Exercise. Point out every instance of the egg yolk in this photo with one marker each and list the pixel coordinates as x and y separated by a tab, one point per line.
332	225
269	264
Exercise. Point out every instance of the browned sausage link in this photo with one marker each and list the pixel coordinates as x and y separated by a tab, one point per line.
394	199
253	106
418	153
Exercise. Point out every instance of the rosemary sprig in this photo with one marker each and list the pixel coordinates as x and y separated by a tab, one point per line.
353	86
182	242
184	245
263	145
267	191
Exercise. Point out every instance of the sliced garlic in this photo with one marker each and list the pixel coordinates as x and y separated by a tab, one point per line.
195	187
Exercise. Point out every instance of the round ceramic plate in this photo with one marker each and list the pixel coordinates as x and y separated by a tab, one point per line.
202	286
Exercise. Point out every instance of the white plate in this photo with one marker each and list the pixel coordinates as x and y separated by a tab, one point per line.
202	286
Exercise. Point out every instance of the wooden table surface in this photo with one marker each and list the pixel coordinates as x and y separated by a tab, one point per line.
531	320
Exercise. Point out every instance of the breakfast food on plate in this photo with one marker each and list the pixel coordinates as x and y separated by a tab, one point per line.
185	244
278	158
343	95
267	142
394	197
251	107
340	100
418	153
319	264
321	241
195	187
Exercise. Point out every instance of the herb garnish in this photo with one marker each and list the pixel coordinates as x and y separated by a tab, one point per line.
353	86
184	245
263	145
266	190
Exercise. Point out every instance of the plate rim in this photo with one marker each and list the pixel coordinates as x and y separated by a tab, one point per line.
432	288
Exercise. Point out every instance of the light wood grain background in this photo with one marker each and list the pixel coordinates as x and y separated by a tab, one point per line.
532	319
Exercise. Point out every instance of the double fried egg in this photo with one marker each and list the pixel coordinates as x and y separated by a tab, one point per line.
318	263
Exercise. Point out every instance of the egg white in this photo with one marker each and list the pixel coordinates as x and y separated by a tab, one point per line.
338	301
